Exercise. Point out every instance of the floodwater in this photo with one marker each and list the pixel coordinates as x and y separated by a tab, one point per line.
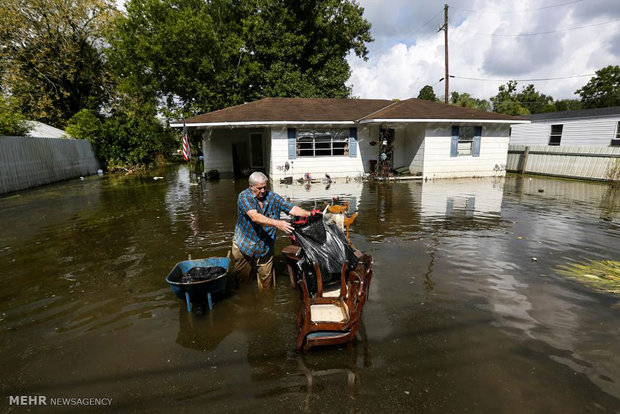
467	312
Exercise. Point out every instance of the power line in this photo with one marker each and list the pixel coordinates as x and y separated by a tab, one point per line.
524	80
424	25
534	34
517	11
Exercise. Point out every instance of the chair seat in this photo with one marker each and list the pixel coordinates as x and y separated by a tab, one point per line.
328	313
331	293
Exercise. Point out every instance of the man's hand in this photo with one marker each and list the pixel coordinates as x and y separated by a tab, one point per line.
299	212
285	226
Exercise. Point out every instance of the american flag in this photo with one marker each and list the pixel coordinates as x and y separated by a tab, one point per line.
186	153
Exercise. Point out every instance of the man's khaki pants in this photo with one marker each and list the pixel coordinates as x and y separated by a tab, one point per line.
247	267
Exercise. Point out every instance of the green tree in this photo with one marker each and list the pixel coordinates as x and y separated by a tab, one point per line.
128	139
12	122
52	56
507	102
568	105
603	90
528	101
534	101
427	93
196	56
467	101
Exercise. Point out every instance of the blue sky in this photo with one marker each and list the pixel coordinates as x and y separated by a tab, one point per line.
490	41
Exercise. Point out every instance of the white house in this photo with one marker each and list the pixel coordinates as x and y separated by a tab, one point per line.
352	137
586	127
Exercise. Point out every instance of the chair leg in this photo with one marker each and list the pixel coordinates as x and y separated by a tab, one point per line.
291	275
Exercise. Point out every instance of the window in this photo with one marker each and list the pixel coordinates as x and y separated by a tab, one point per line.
556	134
615	142
466	140
322	142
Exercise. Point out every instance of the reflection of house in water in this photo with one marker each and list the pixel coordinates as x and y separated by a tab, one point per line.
319	193
459	198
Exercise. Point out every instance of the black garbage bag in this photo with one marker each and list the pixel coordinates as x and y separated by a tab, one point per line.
324	244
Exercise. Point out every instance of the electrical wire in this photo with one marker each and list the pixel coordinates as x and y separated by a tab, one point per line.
516	11
459	29
524	80
424	25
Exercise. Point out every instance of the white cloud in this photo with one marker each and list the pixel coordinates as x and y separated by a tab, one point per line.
409	54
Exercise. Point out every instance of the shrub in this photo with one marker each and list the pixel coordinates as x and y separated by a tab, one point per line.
84	125
12	122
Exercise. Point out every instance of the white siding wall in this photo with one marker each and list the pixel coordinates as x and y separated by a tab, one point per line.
597	132
367	134
491	162
343	166
415	148
400	148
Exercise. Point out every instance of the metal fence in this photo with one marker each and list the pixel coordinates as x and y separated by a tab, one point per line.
587	162
27	162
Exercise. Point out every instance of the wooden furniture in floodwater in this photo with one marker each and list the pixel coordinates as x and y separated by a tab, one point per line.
331	318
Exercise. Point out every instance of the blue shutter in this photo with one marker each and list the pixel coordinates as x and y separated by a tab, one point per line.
454	144
292	143
353	142
477	137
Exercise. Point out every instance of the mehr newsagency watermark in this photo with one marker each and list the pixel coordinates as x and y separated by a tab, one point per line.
41	400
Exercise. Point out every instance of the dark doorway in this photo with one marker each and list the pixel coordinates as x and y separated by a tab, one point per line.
241	160
386	151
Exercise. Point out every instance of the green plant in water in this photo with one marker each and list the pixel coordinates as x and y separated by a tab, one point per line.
603	275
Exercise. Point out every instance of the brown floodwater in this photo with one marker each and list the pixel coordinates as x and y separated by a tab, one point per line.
467	310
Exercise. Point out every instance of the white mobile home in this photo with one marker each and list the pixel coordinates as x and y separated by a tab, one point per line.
577	144
587	127
289	137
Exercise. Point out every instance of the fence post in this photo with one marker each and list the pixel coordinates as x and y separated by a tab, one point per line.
526	152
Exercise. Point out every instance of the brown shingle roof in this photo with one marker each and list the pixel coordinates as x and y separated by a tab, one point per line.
294	109
327	109
422	109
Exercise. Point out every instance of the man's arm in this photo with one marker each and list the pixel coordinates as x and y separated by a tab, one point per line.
282	225
258	218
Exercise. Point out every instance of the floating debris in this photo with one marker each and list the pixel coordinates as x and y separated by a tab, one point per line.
600	275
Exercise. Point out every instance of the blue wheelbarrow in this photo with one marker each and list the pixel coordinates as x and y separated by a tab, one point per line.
198	291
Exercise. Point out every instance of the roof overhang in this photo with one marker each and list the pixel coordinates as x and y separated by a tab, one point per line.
242	124
259	123
453	121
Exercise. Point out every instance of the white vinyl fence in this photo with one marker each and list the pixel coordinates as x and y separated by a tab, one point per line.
27	162
587	162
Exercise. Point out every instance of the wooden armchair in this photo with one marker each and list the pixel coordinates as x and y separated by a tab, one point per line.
326	320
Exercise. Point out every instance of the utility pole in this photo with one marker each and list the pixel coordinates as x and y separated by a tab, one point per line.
445	29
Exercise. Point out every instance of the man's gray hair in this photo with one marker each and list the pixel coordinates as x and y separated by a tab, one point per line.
257	177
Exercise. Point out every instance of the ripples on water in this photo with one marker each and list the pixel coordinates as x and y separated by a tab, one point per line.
456	285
